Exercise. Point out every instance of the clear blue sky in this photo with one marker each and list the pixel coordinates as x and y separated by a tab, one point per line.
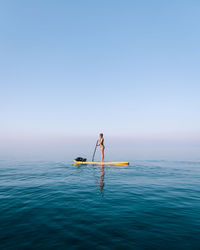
74	68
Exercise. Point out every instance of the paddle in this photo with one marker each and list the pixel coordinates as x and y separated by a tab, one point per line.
94	151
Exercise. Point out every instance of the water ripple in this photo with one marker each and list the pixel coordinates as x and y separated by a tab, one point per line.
54	205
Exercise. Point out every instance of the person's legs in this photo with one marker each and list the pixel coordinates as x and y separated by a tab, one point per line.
102	154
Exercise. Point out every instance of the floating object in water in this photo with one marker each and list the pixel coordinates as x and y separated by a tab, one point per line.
100	163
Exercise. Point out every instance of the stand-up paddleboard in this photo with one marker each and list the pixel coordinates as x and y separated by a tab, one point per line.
100	163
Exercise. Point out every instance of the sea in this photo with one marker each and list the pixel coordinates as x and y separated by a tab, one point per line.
150	204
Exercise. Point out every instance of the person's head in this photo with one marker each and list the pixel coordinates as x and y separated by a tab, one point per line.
101	135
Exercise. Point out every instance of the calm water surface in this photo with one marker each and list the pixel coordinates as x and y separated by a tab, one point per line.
55	205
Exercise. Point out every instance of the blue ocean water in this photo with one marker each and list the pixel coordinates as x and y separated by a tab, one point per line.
56	205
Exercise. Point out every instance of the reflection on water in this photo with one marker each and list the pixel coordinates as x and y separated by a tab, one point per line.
101	180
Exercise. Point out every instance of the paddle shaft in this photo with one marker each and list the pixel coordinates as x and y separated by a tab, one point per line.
94	151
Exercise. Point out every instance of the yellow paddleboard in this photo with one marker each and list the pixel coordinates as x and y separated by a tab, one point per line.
100	163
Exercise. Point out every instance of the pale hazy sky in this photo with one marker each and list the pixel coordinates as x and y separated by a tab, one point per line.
71	69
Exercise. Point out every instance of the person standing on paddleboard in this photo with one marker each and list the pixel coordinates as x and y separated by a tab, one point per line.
102	147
